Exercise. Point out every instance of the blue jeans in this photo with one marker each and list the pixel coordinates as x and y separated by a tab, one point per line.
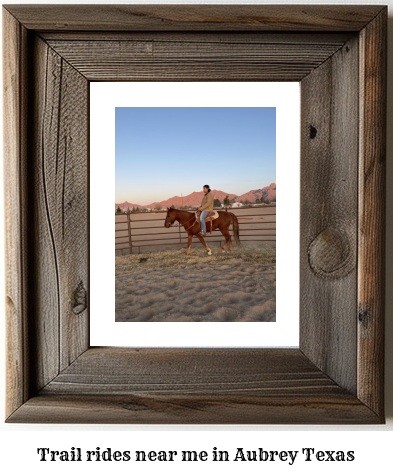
202	219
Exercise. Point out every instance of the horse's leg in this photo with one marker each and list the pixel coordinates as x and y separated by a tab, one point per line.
189	243
228	240
224	229
223	247
209	252
222	232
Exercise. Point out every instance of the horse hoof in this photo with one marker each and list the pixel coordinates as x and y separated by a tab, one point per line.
209	253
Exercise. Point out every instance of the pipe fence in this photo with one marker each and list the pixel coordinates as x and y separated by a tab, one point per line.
132	233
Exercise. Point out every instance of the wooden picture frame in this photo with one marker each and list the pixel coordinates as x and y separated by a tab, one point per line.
338	54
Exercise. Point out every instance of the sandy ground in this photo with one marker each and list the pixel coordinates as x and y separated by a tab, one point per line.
167	286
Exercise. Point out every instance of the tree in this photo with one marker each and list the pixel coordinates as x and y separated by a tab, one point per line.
118	210
257	201
227	203
158	207
173	206
247	202
216	203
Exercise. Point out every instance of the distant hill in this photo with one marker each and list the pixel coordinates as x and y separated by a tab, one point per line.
125	205
268	192
195	199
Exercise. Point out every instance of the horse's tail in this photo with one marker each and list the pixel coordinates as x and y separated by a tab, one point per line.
235	224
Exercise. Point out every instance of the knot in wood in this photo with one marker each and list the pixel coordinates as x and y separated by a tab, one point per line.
330	254
363	315
313	132
80	299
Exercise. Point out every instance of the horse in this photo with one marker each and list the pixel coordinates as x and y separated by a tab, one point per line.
189	221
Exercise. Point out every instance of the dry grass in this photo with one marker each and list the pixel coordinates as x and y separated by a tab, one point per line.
177	258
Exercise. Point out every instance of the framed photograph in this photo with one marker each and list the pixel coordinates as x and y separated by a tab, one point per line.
53	56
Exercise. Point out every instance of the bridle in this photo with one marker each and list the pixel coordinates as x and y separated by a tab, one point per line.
178	225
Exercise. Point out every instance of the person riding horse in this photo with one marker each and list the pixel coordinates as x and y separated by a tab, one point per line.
206	207
191	225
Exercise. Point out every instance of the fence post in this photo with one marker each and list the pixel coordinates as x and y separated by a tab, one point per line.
179	233
129	231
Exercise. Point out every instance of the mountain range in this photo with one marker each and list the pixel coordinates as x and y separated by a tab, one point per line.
194	199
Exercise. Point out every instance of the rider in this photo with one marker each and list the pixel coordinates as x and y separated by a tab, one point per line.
206	207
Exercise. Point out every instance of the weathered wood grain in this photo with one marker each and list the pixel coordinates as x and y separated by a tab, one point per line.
189	60
14	74
239	409
249	37
60	214
372	198
198	385
44	283
329	174
195	17
207	371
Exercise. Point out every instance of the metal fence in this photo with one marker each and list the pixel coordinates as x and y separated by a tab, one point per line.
132	234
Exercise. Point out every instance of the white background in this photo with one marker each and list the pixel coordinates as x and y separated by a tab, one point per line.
372	444
104	97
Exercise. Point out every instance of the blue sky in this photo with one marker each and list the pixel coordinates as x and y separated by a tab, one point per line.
163	152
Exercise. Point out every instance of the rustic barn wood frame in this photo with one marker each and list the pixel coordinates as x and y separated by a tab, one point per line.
338	54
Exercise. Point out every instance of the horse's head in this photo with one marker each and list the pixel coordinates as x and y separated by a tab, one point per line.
170	217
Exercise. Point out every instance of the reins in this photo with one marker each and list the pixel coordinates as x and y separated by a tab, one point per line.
191	224
189	221
186	223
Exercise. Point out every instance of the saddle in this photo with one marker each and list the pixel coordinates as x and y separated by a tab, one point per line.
210	217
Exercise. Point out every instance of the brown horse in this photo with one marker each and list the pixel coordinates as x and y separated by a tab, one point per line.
191	225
